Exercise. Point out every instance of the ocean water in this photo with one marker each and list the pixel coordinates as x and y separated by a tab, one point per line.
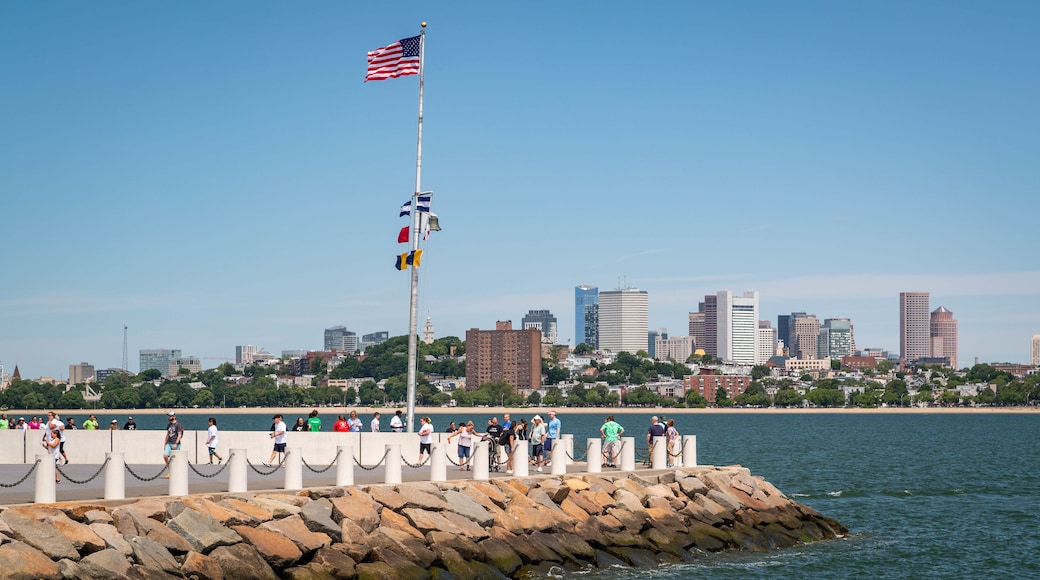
923	495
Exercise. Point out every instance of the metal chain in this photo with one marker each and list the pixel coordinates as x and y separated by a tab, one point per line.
156	476
276	467
378	463
324	469
26	476
569	456
415	465
452	461
87	480
215	473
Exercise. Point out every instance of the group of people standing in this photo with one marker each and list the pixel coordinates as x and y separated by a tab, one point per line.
348	423
505	435
611	432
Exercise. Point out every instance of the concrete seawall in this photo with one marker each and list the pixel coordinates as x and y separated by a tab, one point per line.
507	527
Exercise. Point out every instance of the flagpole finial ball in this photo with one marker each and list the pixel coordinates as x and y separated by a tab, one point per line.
423	25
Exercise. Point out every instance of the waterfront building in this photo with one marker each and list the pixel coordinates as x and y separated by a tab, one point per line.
943	334
914	326
504	354
157	359
81	373
338	338
542	321
623	320
737	327
766	338
586	316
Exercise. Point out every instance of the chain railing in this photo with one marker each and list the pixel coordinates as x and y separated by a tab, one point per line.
416	465
323	469
87	480
154	477
24	477
580	456
276	467
378	463
215	473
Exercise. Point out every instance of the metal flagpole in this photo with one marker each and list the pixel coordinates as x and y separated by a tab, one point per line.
413	313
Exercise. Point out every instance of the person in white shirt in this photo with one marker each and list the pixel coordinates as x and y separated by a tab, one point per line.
212	440
396	424
375	422
425	437
279	440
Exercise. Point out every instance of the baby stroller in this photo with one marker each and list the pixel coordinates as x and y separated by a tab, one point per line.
493	445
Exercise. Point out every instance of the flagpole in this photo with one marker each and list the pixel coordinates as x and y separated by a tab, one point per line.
413	313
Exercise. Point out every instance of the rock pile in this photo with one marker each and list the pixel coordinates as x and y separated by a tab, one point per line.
459	529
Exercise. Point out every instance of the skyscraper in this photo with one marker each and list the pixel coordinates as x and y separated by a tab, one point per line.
651	340
697	329
542	321
340	339
1034	350
737	327
623	320
766	342
711	324
80	373
943	334
504	354
244	354
914	326
804	330
586	315
835	340
157	359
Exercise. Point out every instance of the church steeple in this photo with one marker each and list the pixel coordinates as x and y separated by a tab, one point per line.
427	335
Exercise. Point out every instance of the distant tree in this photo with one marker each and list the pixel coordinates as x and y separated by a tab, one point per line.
788	397
149	375
72	399
582	349
535	398
759	372
203	398
835	364
722	397
696	400
884	366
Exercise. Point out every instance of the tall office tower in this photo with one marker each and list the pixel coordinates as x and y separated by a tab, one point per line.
737	327
1034	350
766	342
804	330
157	359
783	328
586	316
943	332
914	326
835	339
244	354
697	329
341	339
504	354
542	321
80	373
711	324
374	338
623	320
651	340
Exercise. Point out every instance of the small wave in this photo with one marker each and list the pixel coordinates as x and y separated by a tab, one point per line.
834	493
800	495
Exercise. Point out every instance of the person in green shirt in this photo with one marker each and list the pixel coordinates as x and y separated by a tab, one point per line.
611	432
4	423
91	423
313	422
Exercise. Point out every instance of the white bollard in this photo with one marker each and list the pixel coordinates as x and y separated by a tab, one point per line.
521	465
293	466
178	473
481	465
115	476
559	458
345	465
594	463
628	454
689	451
392	473
568	446
238	477
46	490
439	462
659	457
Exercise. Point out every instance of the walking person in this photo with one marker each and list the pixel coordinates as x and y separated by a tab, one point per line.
552	433
279	436
313	422
212	440
537	440
671	436
397	423
174	434
505	441
425	437
55	425
465	435
375	422
52	444
611	432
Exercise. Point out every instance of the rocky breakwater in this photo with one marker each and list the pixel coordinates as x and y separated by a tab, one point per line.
509	527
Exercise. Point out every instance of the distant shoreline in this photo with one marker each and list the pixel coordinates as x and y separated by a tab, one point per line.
326	411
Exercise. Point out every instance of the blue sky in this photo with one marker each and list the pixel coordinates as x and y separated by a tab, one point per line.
214	174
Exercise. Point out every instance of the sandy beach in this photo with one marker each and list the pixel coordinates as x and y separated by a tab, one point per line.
333	410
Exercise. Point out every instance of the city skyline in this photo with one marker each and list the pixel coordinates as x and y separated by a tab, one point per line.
244	187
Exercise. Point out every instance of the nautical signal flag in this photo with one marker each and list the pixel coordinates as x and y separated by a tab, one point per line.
402	236
399	59
406	259
422	204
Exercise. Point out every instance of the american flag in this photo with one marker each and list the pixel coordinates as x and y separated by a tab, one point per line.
397	60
